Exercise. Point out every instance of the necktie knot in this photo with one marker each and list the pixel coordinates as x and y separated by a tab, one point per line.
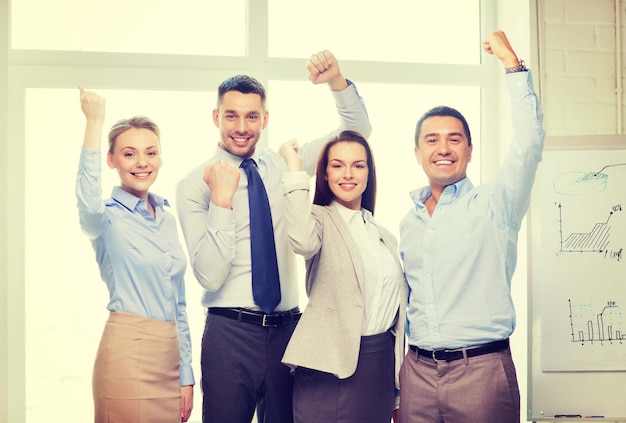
247	163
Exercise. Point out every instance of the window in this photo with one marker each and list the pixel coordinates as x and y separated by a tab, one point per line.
371	30
196	27
62	277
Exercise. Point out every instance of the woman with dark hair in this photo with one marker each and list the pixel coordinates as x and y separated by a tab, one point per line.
142	372
347	347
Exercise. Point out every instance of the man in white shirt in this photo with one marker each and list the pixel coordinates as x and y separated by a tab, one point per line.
242	346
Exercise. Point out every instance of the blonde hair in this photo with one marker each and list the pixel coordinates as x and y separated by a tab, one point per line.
123	125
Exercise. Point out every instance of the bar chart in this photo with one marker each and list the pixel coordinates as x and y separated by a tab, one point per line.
599	326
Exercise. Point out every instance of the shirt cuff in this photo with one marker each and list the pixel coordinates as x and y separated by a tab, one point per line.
295	180
186	376
347	97
221	218
520	84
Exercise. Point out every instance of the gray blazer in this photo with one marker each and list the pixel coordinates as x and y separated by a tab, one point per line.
328	336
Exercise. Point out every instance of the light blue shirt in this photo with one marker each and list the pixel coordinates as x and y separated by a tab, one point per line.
140	258
459	262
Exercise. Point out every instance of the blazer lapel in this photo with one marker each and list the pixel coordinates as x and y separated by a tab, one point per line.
353	248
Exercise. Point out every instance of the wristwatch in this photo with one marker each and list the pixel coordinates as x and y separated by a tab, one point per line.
519	68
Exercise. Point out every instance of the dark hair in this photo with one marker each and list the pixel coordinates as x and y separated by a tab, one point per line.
323	194
123	125
244	84
442	111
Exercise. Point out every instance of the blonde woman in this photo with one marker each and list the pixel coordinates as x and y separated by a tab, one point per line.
142	372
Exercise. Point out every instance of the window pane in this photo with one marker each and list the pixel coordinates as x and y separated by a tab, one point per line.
393	110
65	304
417	31
130	26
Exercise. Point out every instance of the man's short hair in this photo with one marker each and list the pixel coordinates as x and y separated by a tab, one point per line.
442	111
242	83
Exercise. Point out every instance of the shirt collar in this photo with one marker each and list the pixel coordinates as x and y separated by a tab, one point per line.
221	154
130	201
350	215
450	193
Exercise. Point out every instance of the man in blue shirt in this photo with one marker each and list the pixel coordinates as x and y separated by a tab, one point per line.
459	248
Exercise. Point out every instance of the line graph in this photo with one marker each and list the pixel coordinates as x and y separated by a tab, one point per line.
596	240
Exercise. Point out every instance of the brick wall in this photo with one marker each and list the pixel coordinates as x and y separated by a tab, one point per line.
578	66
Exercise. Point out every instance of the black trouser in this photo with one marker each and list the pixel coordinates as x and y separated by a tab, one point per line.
365	397
241	368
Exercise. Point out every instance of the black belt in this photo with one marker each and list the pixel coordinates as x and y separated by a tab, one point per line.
457	354
272	320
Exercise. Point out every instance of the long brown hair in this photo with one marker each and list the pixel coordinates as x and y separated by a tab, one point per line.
323	195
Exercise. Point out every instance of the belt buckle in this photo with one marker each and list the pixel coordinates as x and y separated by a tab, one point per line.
438	361
267	325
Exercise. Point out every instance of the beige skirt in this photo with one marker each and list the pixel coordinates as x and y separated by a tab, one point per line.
136	377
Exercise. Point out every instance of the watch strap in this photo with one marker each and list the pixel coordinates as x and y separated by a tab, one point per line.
521	67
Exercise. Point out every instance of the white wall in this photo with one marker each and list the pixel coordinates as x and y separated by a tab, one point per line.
3	210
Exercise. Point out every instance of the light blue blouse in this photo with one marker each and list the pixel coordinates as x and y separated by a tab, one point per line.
140	257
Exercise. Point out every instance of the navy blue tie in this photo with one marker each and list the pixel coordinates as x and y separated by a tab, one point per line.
265	279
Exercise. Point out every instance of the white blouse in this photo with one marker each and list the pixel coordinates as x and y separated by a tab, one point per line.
383	276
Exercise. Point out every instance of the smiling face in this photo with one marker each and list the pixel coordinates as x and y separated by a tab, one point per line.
240	118
443	151
347	173
137	158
